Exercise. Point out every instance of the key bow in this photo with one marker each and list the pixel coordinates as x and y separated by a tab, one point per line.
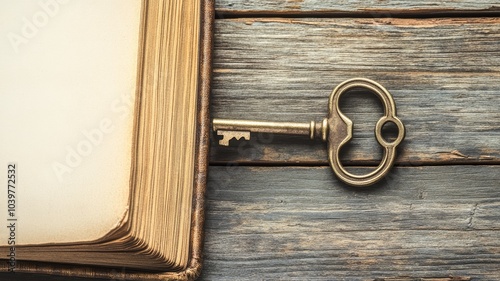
340	132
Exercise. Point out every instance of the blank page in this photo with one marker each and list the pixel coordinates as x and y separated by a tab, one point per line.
67	87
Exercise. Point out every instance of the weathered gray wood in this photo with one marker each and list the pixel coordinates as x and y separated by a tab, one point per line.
38	277
374	7
444	75
301	223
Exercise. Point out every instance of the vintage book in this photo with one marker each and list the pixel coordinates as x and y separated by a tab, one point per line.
104	113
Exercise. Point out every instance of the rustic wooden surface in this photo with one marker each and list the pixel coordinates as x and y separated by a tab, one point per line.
300	222
276	211
444	75
353	7
274	208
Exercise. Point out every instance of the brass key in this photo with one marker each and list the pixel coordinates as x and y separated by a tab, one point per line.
336	129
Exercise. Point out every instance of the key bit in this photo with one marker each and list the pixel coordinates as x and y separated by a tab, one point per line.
229	135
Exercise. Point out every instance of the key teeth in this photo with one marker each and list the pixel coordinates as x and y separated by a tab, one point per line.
224	142
229	135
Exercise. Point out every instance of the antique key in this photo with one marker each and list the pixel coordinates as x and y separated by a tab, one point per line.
336	129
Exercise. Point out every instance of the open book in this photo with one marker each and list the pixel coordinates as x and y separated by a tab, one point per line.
103	108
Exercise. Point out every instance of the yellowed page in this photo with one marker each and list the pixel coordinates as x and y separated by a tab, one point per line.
67	85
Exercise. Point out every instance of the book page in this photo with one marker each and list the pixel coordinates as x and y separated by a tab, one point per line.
67	87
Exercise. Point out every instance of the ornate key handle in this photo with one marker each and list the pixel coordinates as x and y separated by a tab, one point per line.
340	132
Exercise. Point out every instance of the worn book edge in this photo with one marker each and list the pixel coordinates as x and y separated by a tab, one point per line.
193	269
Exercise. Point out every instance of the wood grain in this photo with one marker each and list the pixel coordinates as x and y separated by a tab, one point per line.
444	75
301	223
37	277
372	7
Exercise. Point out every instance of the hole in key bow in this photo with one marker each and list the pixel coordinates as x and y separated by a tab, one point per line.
364	109
390	131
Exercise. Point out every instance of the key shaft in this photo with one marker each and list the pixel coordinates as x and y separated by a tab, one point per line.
311	129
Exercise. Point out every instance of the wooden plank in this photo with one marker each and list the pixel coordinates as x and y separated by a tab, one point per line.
301	223
444	75
372	7
37	277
